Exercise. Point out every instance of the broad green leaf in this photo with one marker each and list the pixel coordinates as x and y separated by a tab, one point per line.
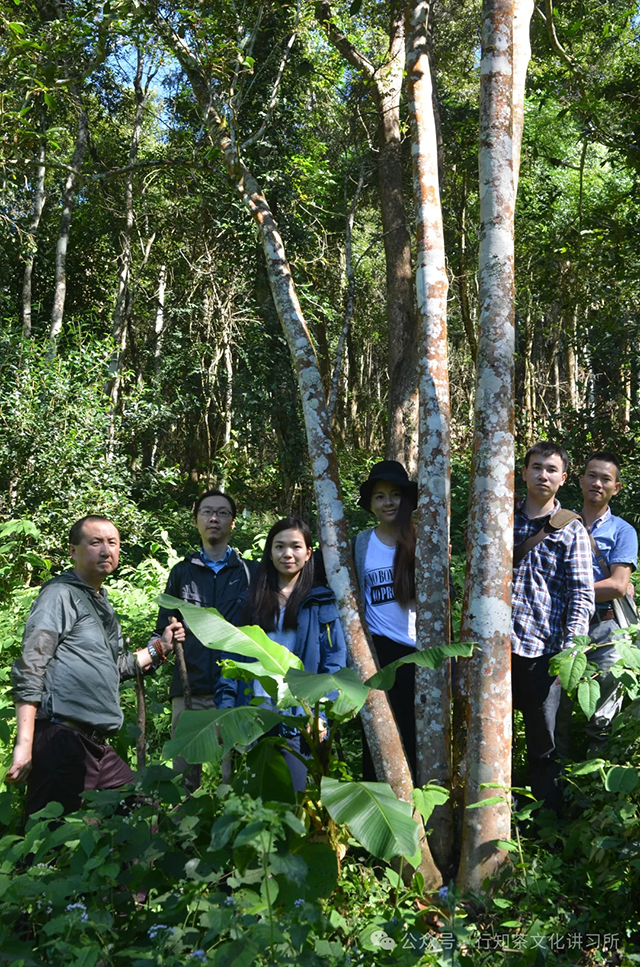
237	953
428	658
379	821
570	668
427	798
506	844
310	688
584	768
197	733
621	779
588	695
213	631
265	775
629	654
489	801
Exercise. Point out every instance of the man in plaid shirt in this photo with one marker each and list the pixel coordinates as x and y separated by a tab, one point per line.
552	601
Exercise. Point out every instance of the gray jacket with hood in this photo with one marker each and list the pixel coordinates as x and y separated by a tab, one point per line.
73	656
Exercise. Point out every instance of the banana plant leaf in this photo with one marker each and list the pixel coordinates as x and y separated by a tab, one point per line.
427	658
265	774
311	687
379	821
213	631
207	736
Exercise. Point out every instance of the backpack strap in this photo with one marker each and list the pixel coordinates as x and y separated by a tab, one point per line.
597	553
556	522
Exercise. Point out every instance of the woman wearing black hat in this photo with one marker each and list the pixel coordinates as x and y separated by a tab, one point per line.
384	558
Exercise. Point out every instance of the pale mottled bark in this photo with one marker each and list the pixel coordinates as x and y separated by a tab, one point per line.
39	198
522	13
386	84
382	733
487	614
433	688
68	200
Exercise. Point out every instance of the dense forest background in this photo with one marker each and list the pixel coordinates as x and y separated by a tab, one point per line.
142	358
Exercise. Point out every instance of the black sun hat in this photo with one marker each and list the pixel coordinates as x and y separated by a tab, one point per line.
394	473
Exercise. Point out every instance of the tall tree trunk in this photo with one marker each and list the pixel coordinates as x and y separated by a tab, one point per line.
68	200
386	84
350	276
571	358
123	302
433	688
380	727
228	405
529	388
487	612
468	319
39	199
402	403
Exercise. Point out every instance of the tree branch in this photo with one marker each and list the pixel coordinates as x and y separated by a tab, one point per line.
341	42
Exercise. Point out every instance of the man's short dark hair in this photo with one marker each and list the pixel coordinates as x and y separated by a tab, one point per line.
75	534
543	448
605	456
214	493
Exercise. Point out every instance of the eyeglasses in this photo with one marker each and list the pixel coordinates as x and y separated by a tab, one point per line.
219	513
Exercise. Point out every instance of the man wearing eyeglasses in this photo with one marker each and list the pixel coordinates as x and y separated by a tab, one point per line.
215	576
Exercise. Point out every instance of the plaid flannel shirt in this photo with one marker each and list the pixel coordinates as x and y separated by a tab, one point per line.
553	597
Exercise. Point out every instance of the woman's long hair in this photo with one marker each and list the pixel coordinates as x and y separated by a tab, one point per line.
404	561
263	602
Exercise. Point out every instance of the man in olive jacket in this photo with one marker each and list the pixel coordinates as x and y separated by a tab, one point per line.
215	576
66	683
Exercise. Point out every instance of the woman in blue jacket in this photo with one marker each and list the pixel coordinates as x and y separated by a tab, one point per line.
285	603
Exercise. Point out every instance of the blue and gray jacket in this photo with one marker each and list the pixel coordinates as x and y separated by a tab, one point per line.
319	644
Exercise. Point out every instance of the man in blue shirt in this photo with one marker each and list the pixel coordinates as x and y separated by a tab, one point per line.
617	543
552	601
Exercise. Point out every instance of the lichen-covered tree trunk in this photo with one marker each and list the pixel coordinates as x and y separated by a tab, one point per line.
380	728
487	609
433	688
68	199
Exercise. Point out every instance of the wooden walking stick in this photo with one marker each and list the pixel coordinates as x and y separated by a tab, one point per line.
184	678
141	706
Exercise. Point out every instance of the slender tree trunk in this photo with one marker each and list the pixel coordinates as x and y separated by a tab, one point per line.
402	403
522	14
123	302
529	391
380	727
463	279
571	359
433	688
350	275
39	199
68	200
487	611
228	405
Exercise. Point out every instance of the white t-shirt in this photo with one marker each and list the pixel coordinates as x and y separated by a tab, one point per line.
383	613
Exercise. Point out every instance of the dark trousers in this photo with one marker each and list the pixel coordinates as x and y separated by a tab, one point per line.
537	695
402	701
66	763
